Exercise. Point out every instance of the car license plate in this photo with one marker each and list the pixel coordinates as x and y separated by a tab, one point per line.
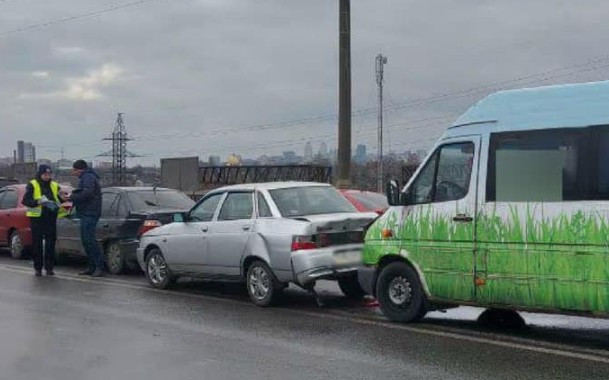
347	257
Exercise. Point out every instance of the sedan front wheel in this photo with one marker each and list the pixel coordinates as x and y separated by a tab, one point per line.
158	273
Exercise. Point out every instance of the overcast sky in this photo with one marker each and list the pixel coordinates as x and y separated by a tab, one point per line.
253	77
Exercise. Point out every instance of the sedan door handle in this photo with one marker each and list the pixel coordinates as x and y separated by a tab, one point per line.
245	228
462	218
204	229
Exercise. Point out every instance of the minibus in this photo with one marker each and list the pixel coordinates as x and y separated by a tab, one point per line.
509	211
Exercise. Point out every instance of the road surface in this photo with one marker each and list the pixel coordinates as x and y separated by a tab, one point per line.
69	327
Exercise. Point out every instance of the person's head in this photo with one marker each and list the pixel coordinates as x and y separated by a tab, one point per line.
44	173
79	167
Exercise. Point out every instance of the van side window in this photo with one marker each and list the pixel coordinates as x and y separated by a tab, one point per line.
446	175
538	166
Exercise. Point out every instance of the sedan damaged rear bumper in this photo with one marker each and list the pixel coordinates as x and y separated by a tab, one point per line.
326	263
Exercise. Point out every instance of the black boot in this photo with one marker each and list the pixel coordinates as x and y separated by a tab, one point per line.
97	273
88	272
38	273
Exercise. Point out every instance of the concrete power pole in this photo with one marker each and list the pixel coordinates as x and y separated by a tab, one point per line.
344	95
381	61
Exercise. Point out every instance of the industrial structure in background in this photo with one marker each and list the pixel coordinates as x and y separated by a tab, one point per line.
380	63
119	152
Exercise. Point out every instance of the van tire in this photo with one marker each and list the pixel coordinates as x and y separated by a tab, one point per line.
400	294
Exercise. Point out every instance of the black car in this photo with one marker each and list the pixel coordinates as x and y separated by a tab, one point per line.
127	213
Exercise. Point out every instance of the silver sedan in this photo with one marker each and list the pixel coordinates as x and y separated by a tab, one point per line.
268	235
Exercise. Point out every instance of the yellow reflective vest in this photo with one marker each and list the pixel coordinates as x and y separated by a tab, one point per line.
36	212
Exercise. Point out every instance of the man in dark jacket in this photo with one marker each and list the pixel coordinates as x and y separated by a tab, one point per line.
87	201
42	200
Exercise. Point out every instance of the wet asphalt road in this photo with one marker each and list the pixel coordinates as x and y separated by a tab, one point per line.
70	327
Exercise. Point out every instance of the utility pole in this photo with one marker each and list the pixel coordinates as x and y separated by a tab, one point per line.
381	61
344	95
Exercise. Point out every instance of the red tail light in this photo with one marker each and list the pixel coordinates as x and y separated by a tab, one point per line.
147	226
301	243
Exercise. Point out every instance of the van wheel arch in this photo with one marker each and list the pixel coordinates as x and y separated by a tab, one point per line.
389	259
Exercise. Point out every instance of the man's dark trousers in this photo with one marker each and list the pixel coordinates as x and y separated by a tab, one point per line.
43	229
88	226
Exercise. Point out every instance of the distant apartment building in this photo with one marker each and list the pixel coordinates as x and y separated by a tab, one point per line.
360	154
308	152
26	152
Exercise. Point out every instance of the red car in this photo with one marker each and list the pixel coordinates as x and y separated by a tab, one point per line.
15	230
367	201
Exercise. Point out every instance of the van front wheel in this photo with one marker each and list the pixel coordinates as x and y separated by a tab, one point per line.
400	294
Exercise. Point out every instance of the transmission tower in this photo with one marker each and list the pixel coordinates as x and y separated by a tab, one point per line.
119	151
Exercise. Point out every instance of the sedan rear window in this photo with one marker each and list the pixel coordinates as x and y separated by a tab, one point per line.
150	200
311	200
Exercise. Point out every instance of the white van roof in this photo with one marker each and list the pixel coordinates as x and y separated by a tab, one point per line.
562	106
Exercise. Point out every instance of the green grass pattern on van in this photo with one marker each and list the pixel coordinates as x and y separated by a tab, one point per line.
559	263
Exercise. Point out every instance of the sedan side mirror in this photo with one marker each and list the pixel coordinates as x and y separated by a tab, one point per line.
181	217
393	193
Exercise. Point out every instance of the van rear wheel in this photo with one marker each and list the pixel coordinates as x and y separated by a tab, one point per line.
400	294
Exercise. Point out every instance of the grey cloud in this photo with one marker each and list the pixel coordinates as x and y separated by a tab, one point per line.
192	67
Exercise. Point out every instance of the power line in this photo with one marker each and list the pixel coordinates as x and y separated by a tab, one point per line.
74	17
523	80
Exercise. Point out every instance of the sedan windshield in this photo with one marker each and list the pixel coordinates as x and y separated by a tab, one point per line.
150	200
311	200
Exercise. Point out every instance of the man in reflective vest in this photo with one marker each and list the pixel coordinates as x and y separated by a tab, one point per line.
43	208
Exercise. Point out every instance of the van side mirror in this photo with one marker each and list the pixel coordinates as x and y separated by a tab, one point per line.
393	193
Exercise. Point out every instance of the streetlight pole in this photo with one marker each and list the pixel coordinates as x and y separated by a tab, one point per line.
381	61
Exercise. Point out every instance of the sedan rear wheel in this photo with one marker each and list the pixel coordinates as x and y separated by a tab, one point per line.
115	261
262	286
158	273
17	249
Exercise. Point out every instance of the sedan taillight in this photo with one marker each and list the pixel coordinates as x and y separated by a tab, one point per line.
148	225
302	243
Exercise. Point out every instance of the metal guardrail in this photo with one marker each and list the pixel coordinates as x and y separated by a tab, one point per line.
213	176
